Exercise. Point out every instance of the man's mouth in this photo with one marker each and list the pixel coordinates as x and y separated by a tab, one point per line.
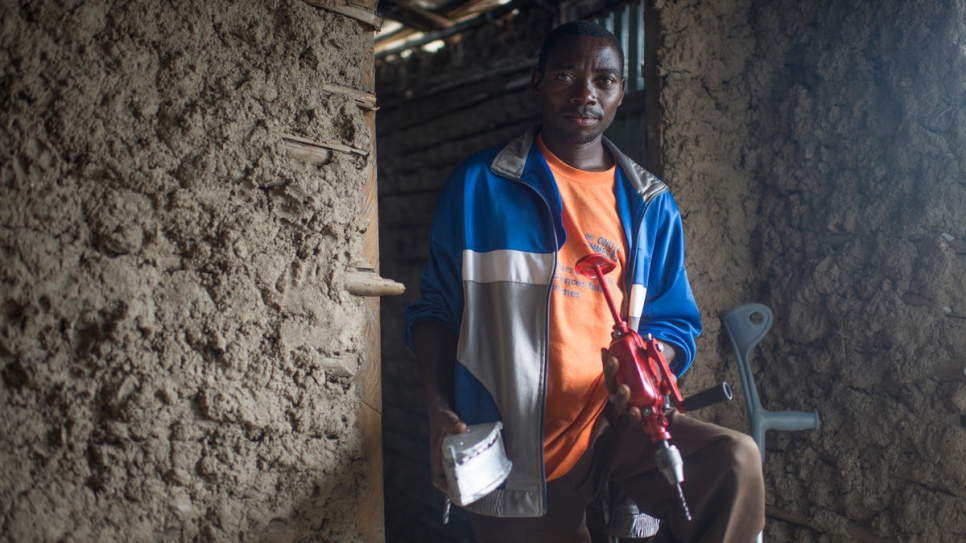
583	119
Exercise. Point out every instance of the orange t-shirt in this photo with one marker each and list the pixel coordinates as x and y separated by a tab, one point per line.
580	321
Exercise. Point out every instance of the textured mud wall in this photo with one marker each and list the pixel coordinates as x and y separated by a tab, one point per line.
860	134
704	124
823	143
177	349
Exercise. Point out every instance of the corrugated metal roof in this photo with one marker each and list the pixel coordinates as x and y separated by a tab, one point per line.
413	23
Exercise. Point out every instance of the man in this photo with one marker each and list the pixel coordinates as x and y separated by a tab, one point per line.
505	329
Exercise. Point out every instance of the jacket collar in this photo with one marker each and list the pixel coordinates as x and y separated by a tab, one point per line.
511	161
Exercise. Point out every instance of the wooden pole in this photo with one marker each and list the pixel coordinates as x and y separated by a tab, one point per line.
372	518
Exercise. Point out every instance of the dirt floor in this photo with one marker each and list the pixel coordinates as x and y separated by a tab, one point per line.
177	349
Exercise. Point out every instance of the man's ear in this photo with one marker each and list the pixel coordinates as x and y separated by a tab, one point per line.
536	79
623	90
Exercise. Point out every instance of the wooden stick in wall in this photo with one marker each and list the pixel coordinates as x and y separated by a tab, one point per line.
365	100
858	530
349	10
790	516
367	283
953	371
316	152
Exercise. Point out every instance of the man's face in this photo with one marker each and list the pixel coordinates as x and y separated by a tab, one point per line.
579	89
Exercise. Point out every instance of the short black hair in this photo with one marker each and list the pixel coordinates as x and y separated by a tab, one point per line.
577	28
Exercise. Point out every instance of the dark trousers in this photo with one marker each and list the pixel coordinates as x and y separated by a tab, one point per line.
723	486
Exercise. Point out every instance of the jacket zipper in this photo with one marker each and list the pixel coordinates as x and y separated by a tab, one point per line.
546	343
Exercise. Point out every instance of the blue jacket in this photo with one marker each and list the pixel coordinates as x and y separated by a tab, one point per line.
492	255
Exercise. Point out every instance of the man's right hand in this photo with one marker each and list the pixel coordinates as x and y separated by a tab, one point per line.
620	395
442	422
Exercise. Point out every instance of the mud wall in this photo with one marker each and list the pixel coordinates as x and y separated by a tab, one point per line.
179	356
816	147
704	124
857	137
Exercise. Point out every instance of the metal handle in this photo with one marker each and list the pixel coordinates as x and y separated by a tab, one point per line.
706	398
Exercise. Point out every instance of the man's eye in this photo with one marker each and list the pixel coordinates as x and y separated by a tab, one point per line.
564	77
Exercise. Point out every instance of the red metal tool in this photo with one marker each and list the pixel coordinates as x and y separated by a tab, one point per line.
643	368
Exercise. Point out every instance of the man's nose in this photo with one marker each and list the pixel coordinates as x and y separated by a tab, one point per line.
584	93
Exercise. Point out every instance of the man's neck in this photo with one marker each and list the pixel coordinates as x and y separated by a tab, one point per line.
589	157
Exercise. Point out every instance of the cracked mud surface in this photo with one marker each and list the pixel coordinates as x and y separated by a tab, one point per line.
817	150
176	349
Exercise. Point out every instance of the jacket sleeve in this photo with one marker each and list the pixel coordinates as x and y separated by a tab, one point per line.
441	286
670	312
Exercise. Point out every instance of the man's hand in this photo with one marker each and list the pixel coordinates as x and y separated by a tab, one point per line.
442	422
435	347
620	395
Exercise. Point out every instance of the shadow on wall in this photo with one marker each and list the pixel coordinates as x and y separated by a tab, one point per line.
434	111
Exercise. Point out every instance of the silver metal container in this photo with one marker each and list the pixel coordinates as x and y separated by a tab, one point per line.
475	462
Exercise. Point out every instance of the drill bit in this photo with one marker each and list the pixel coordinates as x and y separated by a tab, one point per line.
669	461
684	503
